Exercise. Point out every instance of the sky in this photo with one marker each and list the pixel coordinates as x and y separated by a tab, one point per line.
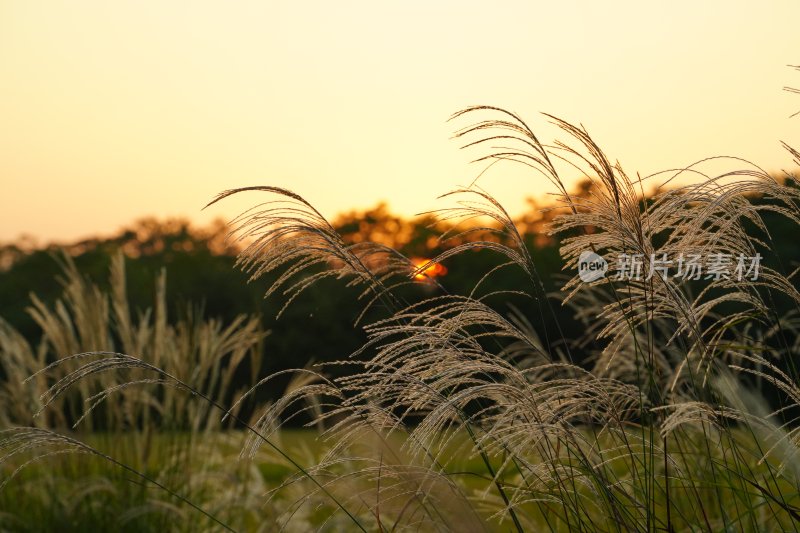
111	111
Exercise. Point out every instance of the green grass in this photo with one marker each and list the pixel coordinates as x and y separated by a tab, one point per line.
76	493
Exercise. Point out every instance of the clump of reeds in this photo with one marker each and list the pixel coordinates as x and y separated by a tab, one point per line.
130	412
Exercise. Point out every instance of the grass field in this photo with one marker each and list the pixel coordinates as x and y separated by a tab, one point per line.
80	493
675	408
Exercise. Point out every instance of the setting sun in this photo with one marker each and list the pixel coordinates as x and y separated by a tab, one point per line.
432	270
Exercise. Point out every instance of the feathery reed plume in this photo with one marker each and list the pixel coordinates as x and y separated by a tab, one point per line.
287	236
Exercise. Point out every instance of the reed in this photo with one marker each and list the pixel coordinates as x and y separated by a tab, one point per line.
676	410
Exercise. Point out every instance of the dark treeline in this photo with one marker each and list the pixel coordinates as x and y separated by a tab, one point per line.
200	269
318	325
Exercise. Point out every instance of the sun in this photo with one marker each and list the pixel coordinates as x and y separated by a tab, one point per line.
431	270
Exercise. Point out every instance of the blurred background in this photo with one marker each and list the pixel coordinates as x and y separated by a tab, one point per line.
120	121
116	111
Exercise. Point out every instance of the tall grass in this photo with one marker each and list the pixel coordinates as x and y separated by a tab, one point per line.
159	433
205	352
676	410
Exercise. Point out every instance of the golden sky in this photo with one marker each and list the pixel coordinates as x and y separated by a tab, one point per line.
114	110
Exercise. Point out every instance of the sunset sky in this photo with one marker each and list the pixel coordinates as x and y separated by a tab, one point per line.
110	111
